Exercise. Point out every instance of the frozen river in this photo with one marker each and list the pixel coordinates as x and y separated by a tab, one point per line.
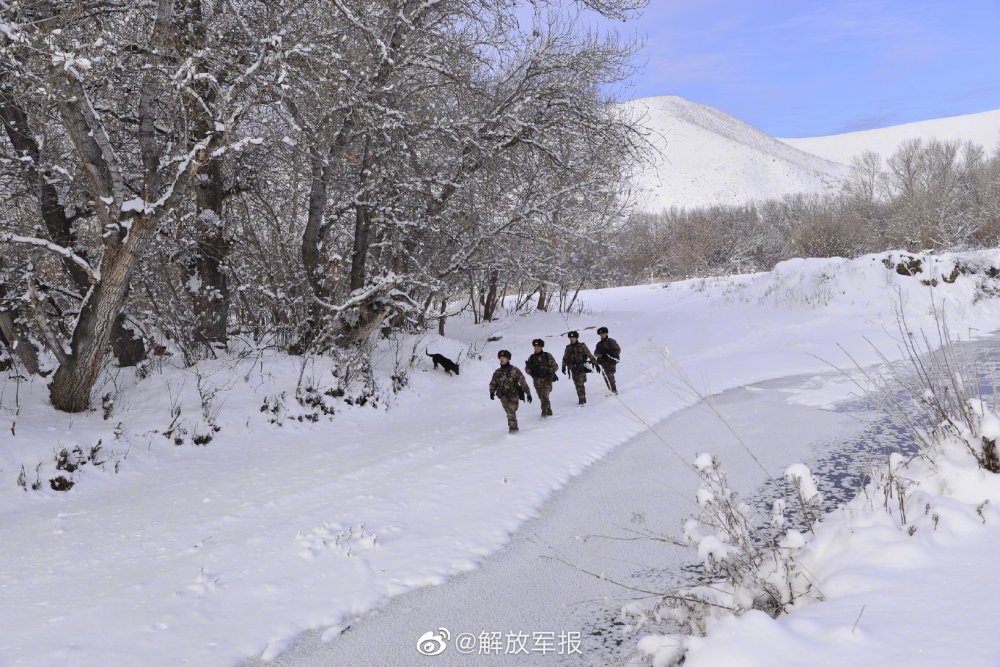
610	521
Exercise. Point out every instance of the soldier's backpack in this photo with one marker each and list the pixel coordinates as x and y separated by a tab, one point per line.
535	369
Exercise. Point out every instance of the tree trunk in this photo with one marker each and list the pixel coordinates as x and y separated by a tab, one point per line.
73	381
318	277
128	350
211	301
575	294
472	299
313	233
362	230
13	338
490	301
362	226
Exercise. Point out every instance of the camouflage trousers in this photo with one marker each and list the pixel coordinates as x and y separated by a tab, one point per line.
609	378
542	389
580	382
510	407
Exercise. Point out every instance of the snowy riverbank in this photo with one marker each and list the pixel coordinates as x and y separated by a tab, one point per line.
901	574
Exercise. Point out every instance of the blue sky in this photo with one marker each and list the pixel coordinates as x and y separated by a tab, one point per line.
796	68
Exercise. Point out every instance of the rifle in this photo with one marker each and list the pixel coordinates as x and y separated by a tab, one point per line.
604	375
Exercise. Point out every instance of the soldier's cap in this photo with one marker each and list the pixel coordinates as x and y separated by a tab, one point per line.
573	334
601	330
539	342
504	353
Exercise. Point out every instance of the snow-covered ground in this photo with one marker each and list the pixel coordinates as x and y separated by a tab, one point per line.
212	554
704	157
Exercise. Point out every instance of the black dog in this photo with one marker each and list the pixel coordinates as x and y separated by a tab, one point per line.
443	361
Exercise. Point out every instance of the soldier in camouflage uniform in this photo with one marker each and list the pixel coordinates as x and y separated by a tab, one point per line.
608	352
542	367
574	364
509	384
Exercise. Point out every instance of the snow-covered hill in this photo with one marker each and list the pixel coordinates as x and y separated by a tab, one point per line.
979	128
705	157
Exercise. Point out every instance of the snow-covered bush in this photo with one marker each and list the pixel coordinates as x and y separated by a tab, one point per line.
60	472
749	560
937	395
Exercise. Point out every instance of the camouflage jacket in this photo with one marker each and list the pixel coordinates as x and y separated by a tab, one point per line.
541	366
608	352
508	381
577	355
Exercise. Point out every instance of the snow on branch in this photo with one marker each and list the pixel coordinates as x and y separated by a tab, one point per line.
347	14
94	275
381	287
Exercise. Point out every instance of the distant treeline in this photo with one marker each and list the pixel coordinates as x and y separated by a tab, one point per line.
927	196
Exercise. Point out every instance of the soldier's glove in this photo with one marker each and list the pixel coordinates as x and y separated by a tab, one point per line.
565	372
493	396
528	397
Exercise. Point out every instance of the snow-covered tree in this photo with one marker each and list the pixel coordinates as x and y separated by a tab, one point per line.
174	171
109	98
